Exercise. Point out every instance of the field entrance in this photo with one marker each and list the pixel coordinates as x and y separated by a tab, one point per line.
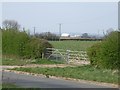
67	56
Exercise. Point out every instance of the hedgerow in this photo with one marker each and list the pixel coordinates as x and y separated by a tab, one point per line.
106	53
19	43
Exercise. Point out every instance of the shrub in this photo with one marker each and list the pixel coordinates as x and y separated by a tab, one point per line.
94	54
13	41
20	44
110	50
105	54
36	47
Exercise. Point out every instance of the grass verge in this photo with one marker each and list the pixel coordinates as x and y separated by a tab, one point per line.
80	72
9	85
45	61
21	62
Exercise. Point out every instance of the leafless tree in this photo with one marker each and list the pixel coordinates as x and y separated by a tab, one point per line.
10	24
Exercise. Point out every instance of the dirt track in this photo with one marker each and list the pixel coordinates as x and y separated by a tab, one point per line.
36	65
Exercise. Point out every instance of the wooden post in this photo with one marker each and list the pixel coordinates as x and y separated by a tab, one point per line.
67	53
42	55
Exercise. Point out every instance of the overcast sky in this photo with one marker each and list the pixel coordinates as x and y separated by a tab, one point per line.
79	17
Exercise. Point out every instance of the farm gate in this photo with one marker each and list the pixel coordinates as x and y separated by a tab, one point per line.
68	56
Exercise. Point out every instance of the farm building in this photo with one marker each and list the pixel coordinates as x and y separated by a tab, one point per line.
65	35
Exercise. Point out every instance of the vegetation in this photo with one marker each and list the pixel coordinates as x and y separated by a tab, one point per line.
21	62
20	44
14	41
105	54
80	72
45	61
85	35
72	45
35	48
9	85
10	24
48	36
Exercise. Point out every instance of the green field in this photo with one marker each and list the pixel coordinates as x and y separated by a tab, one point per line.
72	45
80	72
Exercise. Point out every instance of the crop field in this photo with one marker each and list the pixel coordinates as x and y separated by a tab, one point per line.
73	45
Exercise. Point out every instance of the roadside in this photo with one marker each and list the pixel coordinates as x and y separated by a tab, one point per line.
9	85
110	85
54	76
72	72
37	65
32	81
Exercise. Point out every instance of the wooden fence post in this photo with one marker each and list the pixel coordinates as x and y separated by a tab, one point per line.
67	55
42	55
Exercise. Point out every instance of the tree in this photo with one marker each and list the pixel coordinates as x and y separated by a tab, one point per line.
85	35
109	30
47	36
10	24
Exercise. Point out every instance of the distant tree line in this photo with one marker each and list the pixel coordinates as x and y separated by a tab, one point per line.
48	36
54	37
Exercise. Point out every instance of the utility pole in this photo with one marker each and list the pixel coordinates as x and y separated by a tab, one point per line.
60	30
103	32
34	30
98	33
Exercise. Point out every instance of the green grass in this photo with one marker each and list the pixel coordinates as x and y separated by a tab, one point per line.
72	45
21	62
80	72
10	61
9	85
45	61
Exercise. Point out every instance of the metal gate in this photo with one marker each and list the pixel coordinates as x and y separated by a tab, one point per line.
67	56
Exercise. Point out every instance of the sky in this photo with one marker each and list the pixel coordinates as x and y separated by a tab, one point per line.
119	15
75	17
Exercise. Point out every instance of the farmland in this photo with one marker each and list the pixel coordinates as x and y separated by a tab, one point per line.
73	45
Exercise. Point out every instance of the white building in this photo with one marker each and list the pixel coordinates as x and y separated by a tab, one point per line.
77	35
65	35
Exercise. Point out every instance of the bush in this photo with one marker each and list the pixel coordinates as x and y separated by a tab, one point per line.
105	54
36	47
20	44
94	54
110	50
13	42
